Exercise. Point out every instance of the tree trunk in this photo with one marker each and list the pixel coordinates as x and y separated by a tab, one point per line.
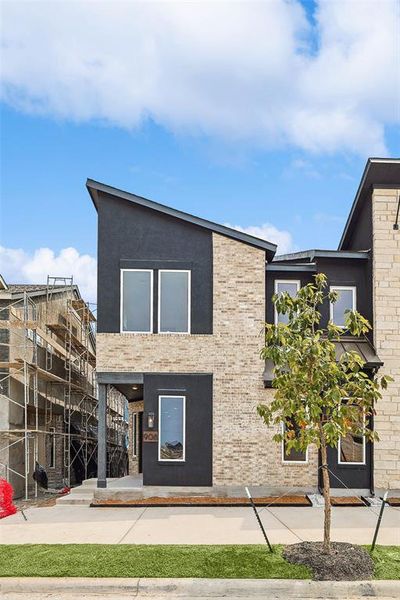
327	496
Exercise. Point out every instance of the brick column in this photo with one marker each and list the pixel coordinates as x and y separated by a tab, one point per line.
386	293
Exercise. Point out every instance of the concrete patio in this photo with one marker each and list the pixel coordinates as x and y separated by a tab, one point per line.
194	525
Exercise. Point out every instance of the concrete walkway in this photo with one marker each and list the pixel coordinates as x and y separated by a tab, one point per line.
194	525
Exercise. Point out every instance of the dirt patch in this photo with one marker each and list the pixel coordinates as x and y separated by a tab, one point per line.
206	501
41	502
393	501
346	501
345	562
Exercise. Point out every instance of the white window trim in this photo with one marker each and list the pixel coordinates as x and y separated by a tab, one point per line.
134	434
189	325
277	281
169	460
284	458
364	460
121	315
52	431
351	288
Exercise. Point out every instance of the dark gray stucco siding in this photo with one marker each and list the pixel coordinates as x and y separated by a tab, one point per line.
197	468
360	238
271	277
348	273
127	232
361	234
339	272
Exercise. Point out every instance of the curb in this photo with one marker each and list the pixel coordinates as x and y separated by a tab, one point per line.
205	588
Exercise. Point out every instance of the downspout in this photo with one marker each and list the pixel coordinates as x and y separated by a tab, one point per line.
371	470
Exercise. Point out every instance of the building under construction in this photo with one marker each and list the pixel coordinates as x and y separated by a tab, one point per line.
48	394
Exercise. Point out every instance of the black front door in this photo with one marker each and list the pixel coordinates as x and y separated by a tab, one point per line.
350	463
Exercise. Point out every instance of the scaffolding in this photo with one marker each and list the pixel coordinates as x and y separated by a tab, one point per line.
47	377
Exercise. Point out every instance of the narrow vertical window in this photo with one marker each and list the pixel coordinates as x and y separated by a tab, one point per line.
174	302
171	434
346	301
136	300
293	456
134	435
351	448
291	287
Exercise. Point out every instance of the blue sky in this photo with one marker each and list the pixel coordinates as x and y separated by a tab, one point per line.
273	151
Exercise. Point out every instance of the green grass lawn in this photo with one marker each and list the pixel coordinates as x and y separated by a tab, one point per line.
387	562
106	560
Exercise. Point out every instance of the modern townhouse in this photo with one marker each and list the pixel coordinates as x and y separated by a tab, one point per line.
181	307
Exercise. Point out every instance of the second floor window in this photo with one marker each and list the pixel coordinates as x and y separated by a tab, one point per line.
137	300
289	286
346	301
171	301
174	301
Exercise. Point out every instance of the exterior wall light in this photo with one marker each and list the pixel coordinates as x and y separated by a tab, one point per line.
150	420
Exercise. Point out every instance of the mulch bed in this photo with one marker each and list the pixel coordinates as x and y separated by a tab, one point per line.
345	562
346	501
393	501
203	501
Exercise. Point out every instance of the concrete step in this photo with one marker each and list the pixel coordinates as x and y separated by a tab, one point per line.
74	499
82	491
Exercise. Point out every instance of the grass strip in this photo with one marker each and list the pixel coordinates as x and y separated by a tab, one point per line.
127	560
387	562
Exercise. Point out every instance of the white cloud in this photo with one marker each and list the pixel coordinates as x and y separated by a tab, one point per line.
18	266
270	233
255	71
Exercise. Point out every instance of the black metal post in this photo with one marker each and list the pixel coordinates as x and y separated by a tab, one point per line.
379	521
258	519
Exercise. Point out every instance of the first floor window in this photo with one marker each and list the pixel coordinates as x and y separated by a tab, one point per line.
346	301
171	434
137	300
289	286
292	456
174	301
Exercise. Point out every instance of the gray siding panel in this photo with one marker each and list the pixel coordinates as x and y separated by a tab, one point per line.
131	236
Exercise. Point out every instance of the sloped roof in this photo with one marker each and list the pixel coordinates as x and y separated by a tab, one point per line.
378	172
94	187
311	255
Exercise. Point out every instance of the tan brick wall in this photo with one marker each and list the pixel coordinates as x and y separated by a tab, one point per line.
243	450
386	290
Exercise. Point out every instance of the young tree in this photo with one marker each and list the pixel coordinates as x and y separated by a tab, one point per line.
318	398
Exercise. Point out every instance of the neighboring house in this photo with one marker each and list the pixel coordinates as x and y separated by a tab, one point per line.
181	306
48	397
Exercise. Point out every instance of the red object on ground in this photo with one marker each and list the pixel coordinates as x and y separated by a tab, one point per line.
7	507
65	490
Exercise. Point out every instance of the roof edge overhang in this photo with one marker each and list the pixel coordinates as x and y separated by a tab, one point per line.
362	188
95	187
311	255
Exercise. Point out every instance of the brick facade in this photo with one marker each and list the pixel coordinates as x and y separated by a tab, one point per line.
386	292
243	449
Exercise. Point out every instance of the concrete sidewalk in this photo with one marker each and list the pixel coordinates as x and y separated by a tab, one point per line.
194	525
